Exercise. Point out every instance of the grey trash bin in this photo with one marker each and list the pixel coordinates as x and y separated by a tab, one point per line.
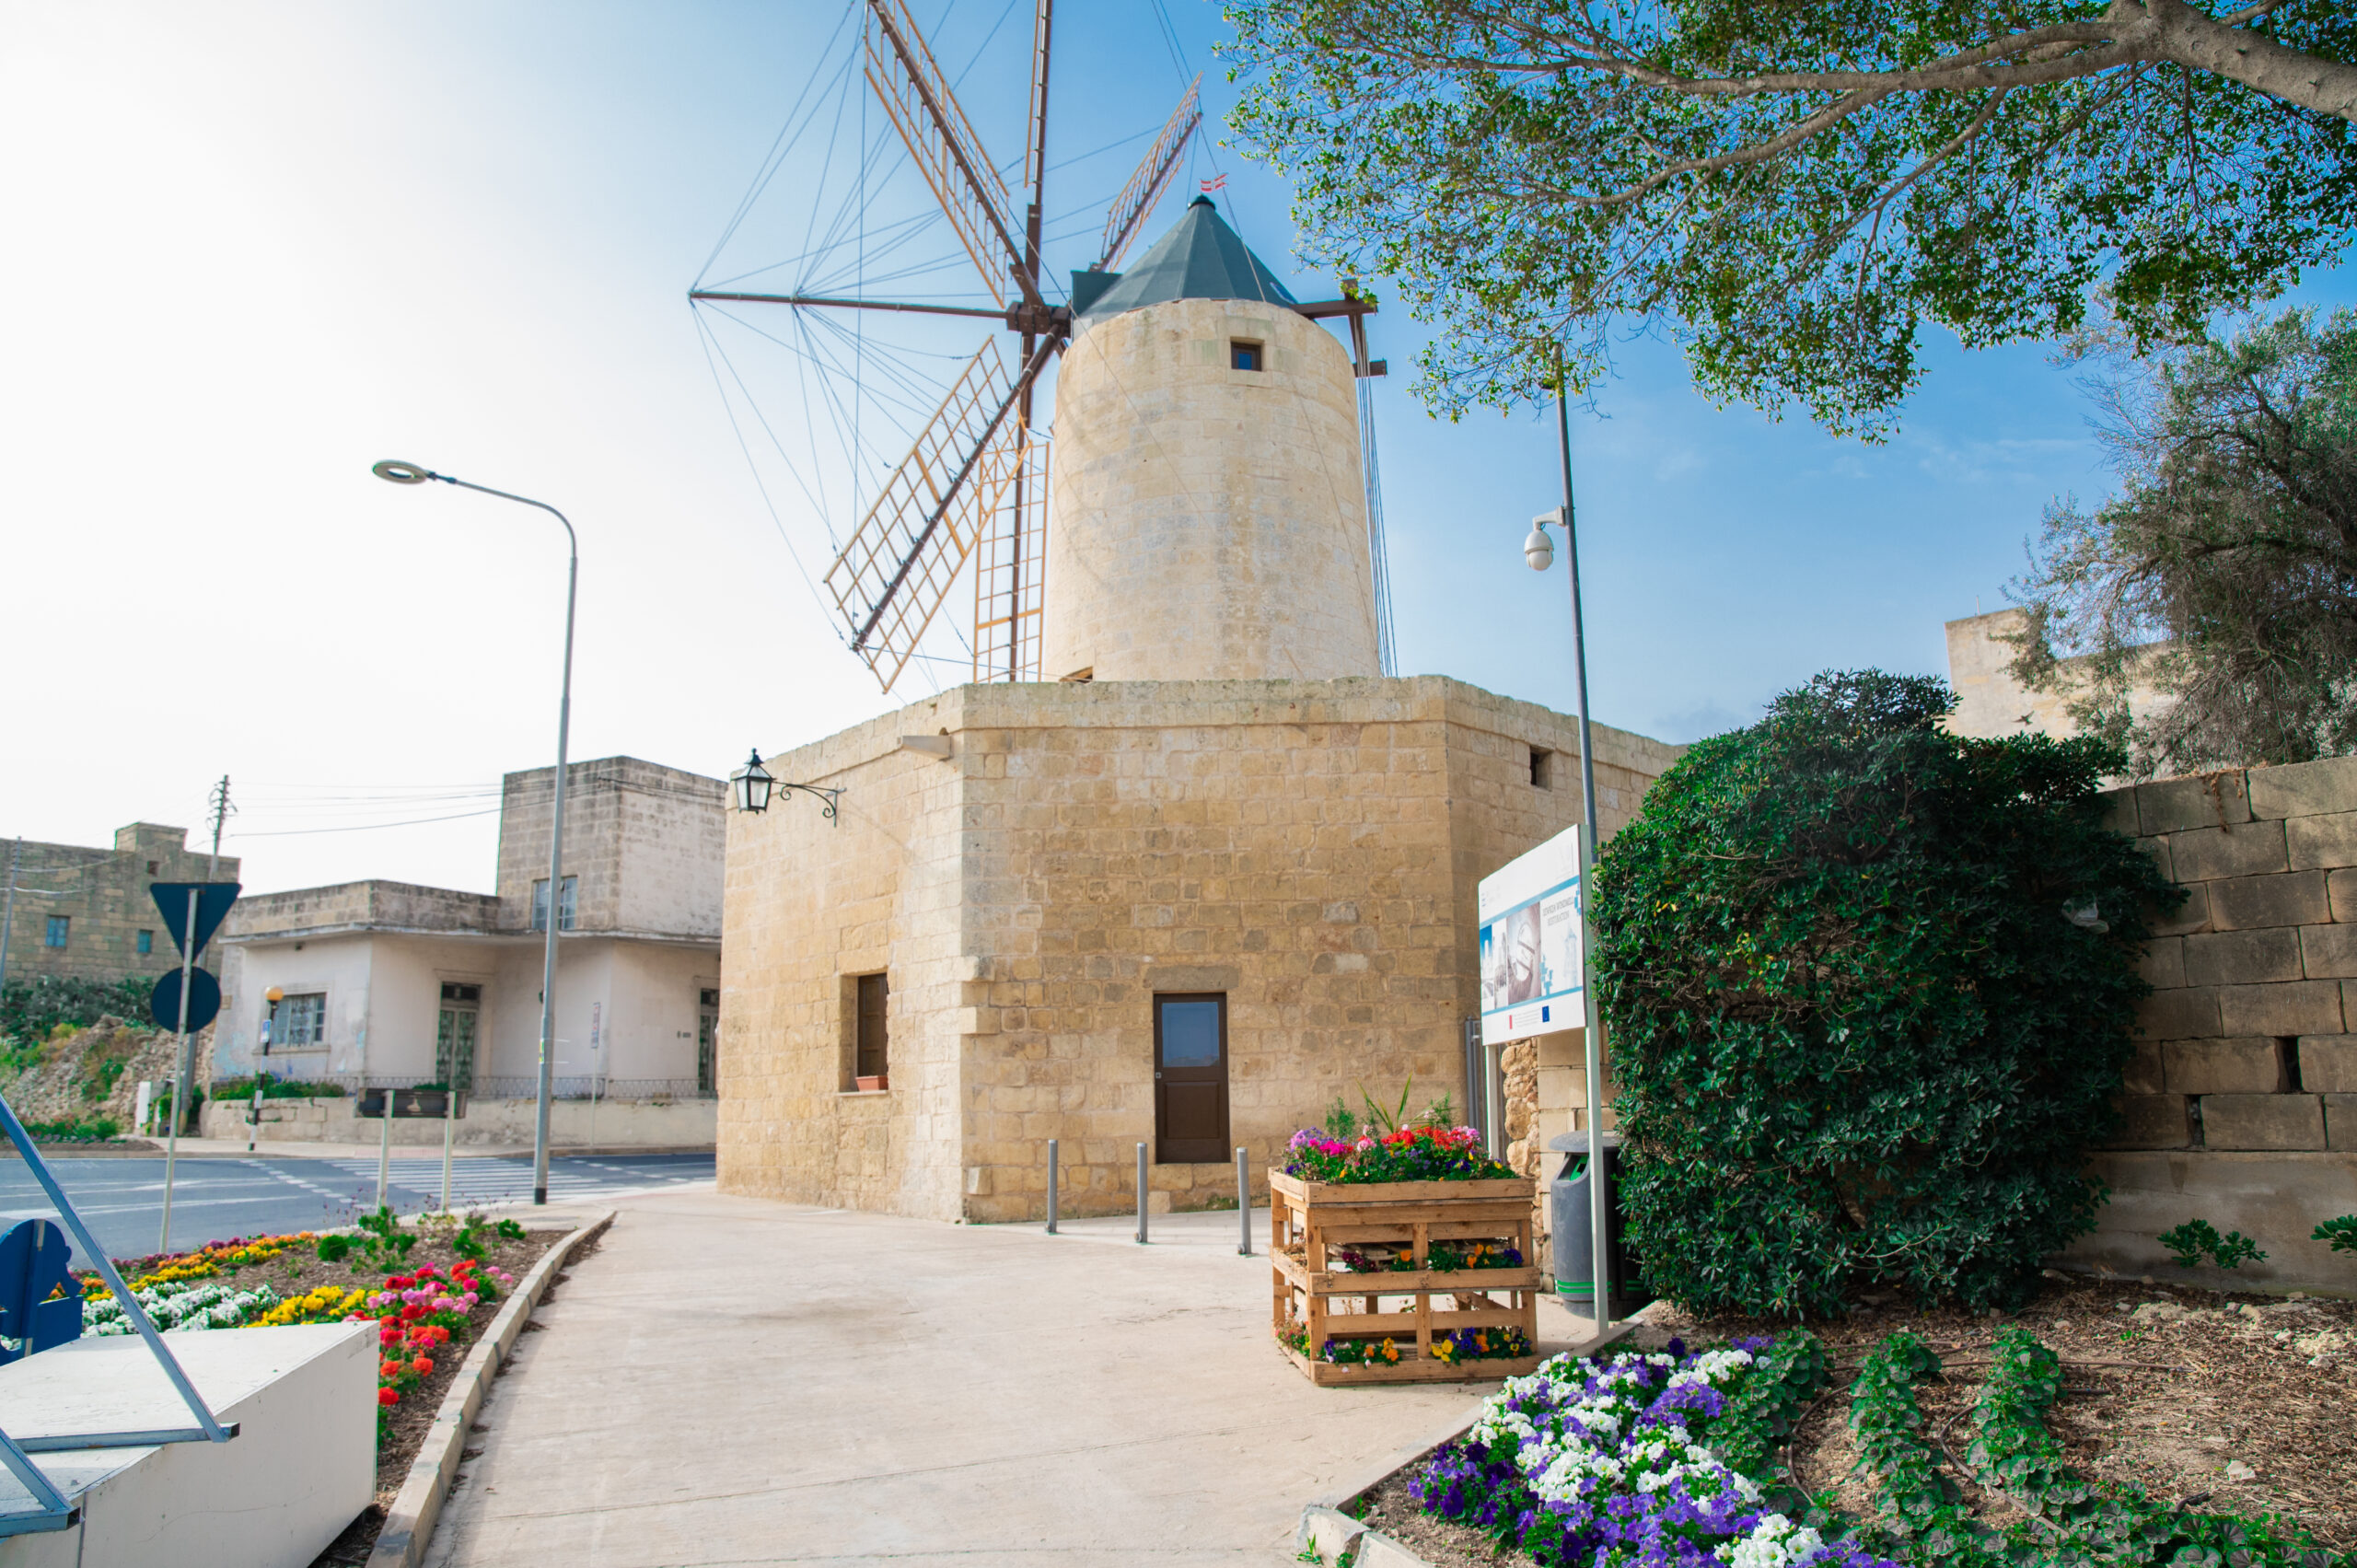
1569	1231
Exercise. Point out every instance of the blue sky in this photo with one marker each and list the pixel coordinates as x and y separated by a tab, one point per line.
256	247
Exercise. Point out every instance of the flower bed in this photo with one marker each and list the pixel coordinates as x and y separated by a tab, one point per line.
293	1279
1678	1459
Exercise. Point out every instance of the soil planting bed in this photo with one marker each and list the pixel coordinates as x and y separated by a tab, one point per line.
298	1272
2247	1403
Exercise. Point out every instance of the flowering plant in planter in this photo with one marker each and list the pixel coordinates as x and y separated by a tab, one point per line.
1480	1344
1407	1154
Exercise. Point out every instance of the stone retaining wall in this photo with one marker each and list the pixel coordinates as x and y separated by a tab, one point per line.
2248	1043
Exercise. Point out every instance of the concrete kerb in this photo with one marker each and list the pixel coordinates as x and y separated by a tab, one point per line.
408	1523
1326	1529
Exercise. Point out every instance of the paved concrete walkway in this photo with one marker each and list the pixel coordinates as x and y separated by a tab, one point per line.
733	1381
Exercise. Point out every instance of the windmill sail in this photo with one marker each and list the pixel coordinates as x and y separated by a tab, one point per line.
1011	566
1151	178
914	93
890	581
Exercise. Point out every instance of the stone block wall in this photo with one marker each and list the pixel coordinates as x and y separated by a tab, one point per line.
104	896
2240	1106
644	843
1310	849
2246	1040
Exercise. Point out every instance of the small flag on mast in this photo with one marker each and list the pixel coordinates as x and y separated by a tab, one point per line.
1217	182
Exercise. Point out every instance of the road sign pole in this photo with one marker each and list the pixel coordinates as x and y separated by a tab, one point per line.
450	1123
385	1147
186	1080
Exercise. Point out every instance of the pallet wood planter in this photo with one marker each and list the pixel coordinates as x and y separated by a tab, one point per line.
1312	1221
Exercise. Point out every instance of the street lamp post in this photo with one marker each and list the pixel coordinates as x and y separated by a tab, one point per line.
1540	551
412	473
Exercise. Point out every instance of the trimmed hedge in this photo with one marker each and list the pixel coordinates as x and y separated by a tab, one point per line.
1869	988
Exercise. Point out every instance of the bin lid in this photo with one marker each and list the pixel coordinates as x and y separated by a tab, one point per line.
1576	1143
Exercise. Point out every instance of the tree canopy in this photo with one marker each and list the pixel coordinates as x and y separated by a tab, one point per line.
1793	189
2224	579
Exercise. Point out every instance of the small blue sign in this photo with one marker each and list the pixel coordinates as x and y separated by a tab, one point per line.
34	1258
203	1000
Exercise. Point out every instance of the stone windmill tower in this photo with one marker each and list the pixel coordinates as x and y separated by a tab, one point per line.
1209	520
1182	864
970	501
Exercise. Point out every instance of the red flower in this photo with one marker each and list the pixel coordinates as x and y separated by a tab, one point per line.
412	1313
389	1369
389	1396
423	1366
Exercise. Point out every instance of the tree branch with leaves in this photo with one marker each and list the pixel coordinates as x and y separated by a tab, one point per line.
2224	579
1793	190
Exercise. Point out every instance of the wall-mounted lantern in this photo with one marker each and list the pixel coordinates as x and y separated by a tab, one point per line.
750	786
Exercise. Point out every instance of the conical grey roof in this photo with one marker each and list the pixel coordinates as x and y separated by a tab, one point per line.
1200	257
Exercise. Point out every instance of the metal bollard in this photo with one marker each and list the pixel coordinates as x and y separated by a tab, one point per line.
1244	1204
1052	1187
1140	1194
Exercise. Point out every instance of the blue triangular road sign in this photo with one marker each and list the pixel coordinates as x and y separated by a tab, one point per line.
213	902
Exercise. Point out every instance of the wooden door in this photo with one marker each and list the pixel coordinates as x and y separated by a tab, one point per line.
1191	1079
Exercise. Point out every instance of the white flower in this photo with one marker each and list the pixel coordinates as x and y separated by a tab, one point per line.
1774	1542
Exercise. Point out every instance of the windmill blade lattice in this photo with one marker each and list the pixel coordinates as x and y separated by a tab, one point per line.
896	568
916	95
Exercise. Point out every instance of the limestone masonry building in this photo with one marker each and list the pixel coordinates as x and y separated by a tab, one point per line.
87	913
389	984
1219	873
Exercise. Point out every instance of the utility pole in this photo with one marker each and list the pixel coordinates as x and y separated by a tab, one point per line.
8	916
221	809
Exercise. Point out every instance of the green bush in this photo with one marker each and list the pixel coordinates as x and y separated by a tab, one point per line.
227	1091
33	1009
2188	1241
78	1129
1869	988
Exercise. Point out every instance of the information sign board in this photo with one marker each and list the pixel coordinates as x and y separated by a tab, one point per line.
1532	937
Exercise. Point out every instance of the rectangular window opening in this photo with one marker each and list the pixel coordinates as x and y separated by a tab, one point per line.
1191	1078
566	903
1243	354
147	942
456	1034
872	1056
302	1020
1543	769
60	927
707	1041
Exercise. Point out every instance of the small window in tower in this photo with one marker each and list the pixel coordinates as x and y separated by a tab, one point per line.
1242	355
146	943
151	868
871	1064
1543	769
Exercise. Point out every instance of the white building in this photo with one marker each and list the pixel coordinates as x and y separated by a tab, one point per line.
389	984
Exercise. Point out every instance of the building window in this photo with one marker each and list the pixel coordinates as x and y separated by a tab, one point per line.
454	1035
565	901
1191	1079
151	868
1543	769
1243	354
871	1057
707	1041
146	943
60	925
302	1020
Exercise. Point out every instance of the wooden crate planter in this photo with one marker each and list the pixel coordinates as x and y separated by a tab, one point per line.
1310	1221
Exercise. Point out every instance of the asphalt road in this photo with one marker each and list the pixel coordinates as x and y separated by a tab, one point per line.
122	1200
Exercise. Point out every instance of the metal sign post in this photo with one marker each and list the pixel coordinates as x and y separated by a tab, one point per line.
186	1000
